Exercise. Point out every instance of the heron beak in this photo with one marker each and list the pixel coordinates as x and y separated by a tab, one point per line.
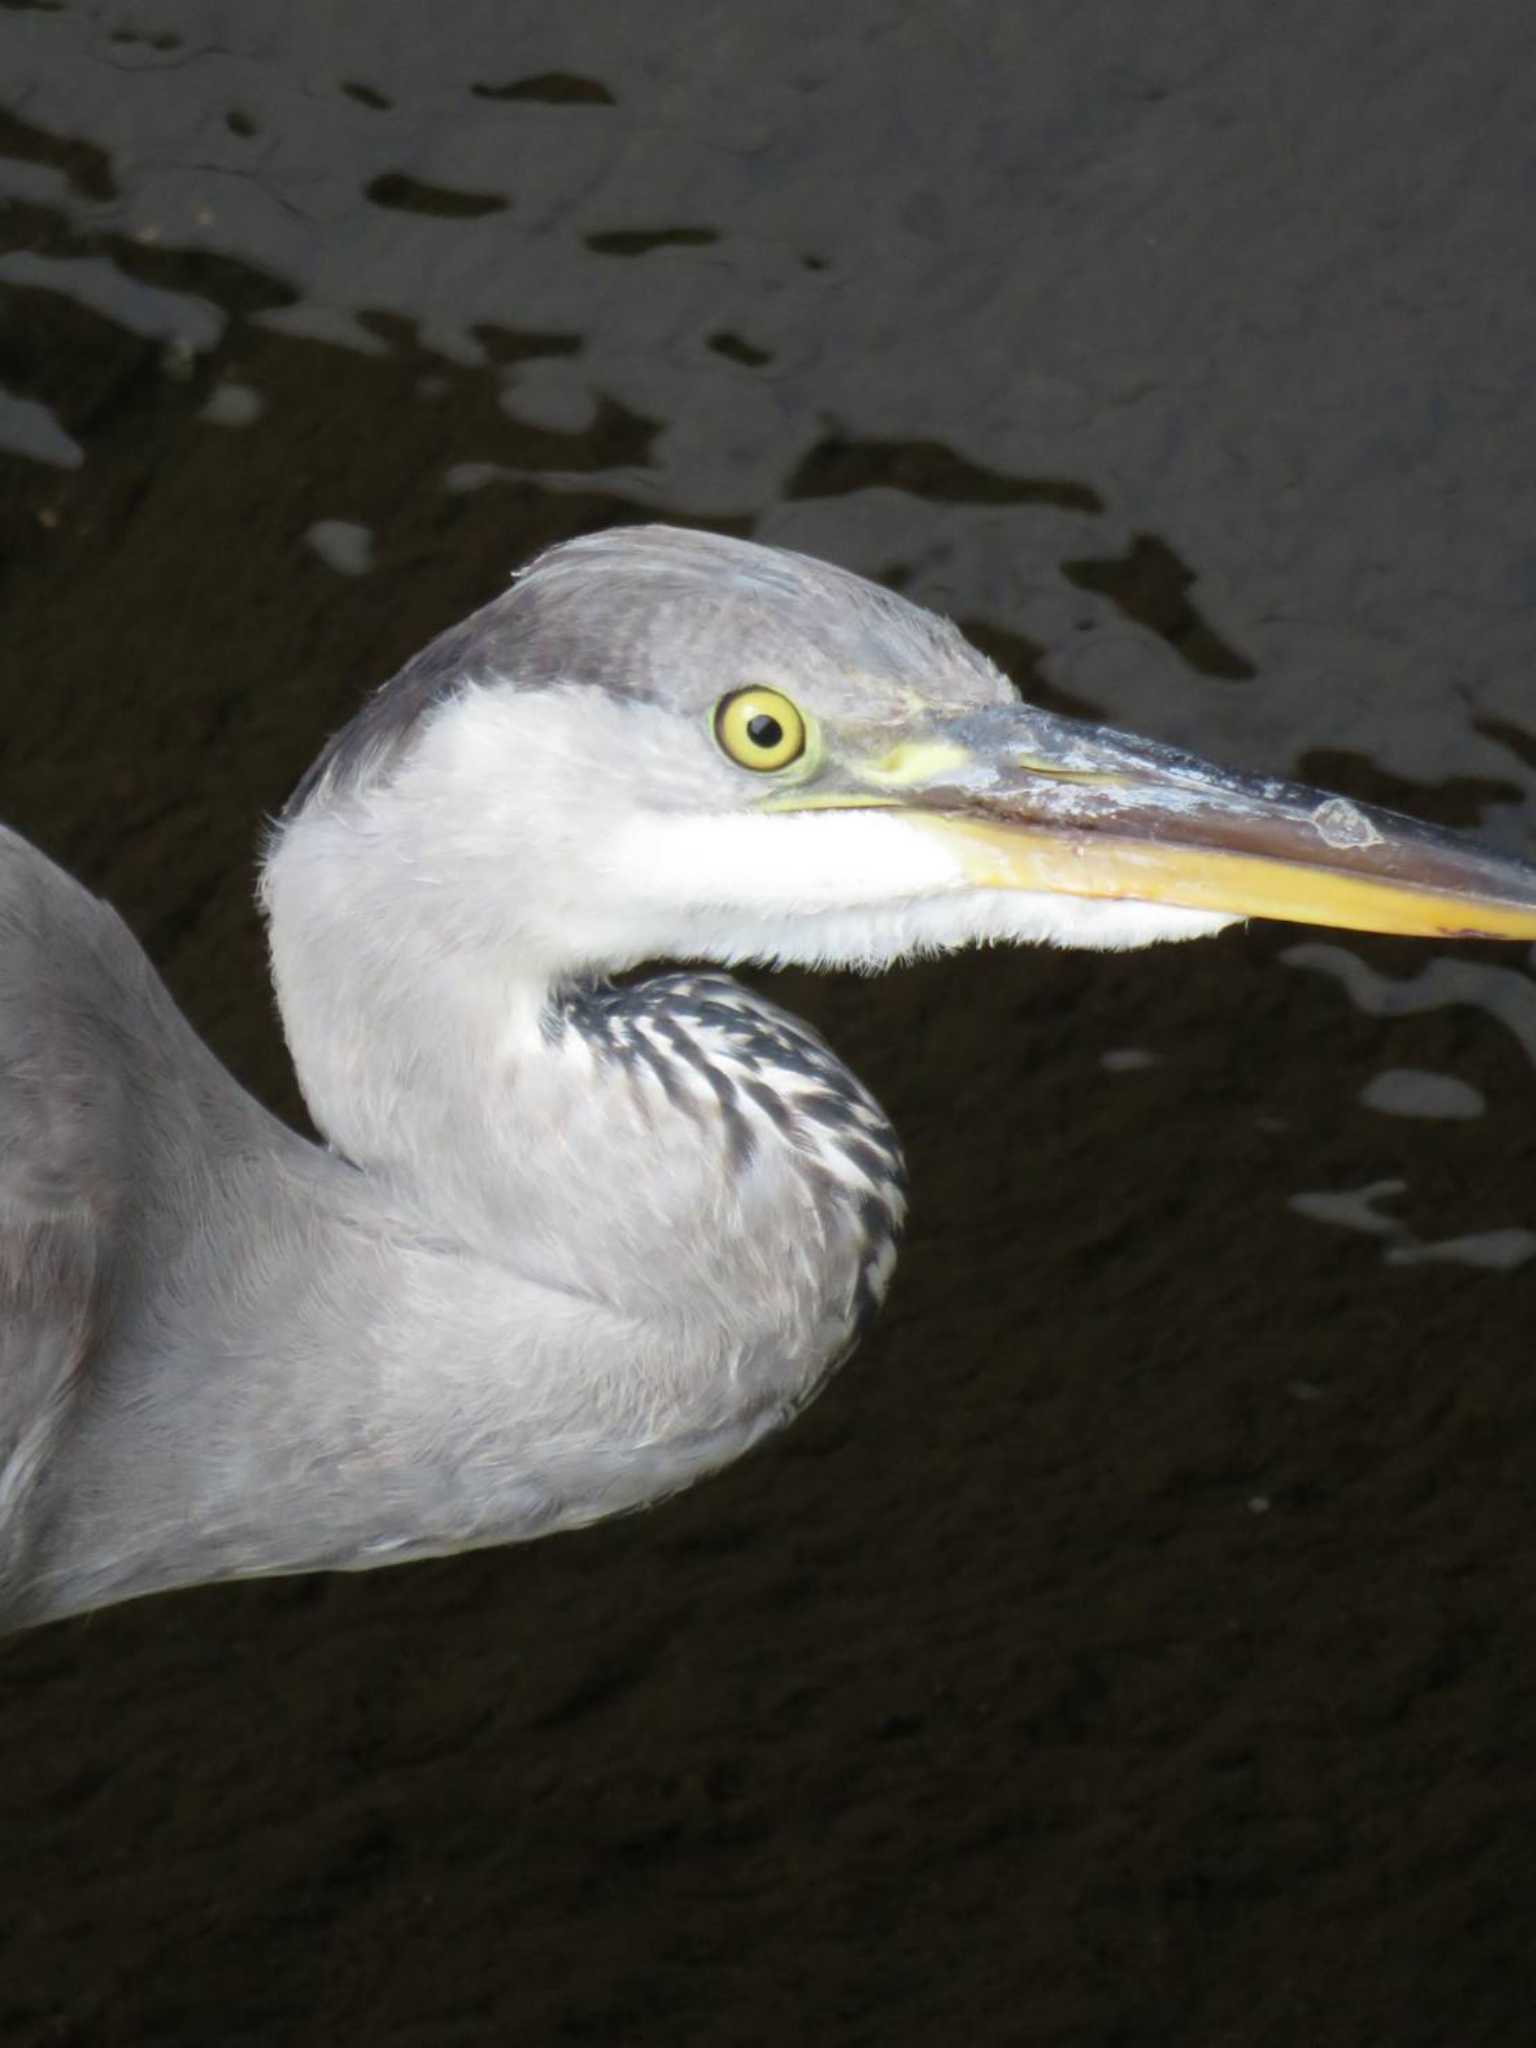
1027	801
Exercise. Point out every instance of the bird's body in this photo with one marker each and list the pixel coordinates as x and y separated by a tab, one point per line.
572	1242
232	1351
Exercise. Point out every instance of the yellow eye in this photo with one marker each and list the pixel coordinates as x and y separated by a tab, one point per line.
760	729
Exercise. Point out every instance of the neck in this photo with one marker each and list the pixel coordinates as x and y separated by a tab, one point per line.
670	1149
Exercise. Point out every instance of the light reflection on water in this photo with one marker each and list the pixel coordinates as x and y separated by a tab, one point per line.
1409	1091
1504	993
820	259
343	545
1359	1209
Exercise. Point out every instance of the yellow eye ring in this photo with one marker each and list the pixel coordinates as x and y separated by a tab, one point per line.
760	729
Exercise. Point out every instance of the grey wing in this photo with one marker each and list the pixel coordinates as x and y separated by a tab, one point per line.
69	974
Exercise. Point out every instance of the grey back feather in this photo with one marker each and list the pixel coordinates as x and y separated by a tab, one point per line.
114	1118
67	1159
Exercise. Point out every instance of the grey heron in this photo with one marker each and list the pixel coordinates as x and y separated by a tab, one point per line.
571	1241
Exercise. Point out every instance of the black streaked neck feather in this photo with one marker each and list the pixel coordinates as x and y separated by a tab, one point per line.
770	1079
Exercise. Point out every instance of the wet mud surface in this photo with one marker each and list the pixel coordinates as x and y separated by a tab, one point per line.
1134	1644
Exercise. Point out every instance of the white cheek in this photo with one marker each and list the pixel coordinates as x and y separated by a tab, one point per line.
787	862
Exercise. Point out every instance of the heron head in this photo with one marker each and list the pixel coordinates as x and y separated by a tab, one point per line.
663	743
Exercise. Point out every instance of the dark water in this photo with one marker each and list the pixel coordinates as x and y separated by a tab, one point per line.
1135	1645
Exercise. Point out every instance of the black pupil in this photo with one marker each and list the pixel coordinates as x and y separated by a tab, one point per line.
764	731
